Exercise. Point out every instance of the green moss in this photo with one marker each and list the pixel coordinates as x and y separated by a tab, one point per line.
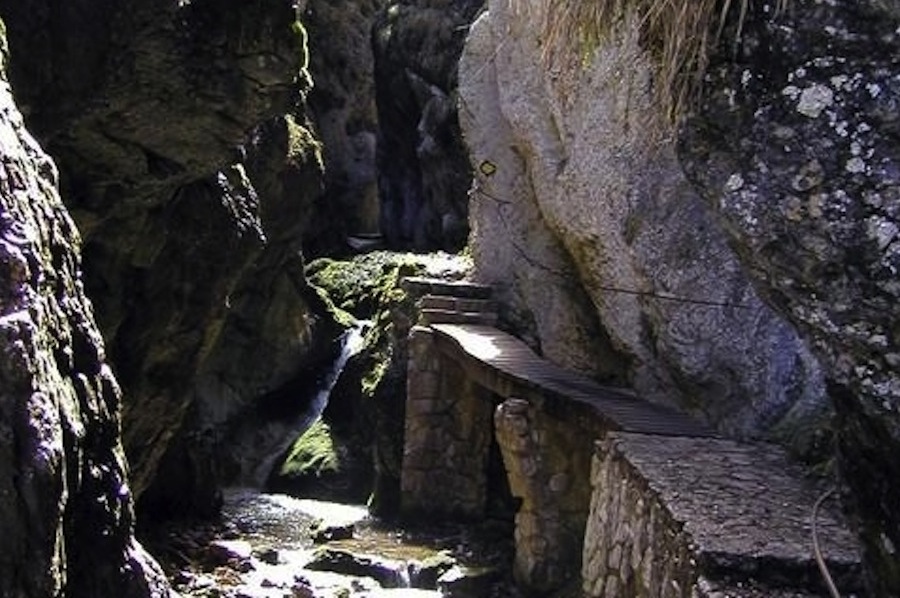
365	284
3	48
313	453
303	41
303	147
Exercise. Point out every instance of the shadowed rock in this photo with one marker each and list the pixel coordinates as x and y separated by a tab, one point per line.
65	505
191	257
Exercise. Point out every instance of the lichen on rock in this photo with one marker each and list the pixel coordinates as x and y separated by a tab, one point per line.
795	148
65	503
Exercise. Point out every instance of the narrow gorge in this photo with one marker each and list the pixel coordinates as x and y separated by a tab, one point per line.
620	276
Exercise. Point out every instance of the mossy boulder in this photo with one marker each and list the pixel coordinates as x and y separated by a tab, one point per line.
312	454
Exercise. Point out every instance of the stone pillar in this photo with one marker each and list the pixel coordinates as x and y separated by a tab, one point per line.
548	466
447	435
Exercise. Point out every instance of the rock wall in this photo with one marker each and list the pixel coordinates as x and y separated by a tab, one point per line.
191	209
273	337
796	150
613	263
342	105
422	166
65	504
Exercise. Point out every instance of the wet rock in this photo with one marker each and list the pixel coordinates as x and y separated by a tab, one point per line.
326	532
425	574
388	573
234	553
270	556
327	584
467	582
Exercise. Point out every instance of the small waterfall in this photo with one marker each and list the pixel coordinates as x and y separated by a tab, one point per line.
351	344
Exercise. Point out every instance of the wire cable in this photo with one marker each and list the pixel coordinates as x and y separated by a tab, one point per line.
817	550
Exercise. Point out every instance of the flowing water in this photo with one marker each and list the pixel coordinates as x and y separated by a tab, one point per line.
352	343
278	546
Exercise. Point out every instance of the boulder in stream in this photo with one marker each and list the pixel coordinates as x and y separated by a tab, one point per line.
468	582
388	573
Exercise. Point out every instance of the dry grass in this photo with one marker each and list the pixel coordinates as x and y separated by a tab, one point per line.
679	35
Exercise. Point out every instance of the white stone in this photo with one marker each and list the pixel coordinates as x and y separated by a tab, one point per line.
735	183
814	99
855	165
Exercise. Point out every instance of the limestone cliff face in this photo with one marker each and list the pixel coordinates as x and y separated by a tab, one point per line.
614	263
192	210
422	166
797	149
342	105
65	503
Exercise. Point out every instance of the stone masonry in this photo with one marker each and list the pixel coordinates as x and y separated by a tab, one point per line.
547	467
634	499
677	516
447	436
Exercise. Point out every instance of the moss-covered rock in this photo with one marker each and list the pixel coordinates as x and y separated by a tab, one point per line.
66	514
192	190
312	454
368	404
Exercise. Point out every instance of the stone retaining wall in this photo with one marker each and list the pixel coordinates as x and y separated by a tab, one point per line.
447	435
547	464
632	545
680	516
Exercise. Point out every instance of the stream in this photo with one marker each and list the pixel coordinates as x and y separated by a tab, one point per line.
277	546
266	545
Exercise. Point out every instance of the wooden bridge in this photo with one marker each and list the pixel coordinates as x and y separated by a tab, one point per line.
618	496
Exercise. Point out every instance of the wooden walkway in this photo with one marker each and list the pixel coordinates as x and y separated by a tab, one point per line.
507	366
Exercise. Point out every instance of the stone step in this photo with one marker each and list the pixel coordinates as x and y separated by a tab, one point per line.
428	317
709	512
420	285
449	303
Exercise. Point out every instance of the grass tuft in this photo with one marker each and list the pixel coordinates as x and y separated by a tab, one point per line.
679	34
